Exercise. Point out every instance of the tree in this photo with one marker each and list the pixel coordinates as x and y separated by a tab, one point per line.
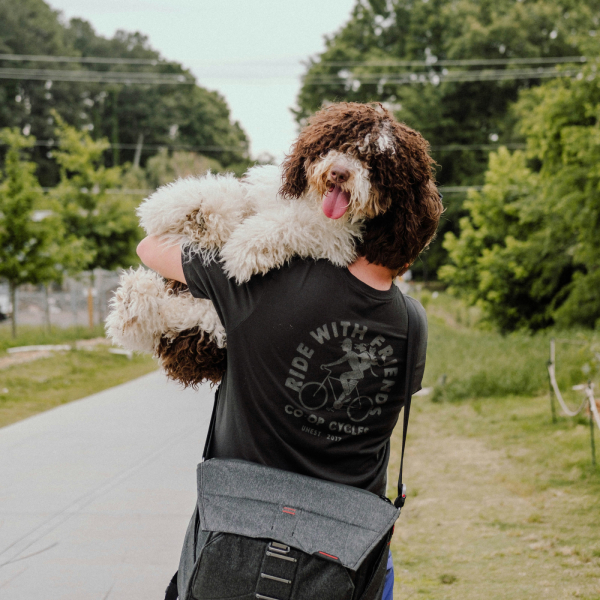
448	113
166	115
528	250
33	245
505	259
105	221
561	121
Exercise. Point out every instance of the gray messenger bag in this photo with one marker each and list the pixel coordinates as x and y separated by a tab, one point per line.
260	533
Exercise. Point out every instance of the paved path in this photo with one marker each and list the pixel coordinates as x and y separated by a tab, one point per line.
95	495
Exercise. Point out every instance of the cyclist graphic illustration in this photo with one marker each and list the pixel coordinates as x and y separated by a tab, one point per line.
315	394
359	363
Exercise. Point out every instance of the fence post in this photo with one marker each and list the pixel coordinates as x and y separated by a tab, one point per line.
551	363
592	441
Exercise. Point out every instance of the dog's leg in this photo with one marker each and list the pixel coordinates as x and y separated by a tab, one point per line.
135	318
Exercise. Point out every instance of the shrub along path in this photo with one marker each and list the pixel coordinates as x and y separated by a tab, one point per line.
502	504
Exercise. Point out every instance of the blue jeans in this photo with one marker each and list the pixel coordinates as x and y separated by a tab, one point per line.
388	588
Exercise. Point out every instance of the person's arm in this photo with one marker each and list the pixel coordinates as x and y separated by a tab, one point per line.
164	259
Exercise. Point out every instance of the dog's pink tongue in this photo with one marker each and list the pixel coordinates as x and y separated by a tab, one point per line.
335	203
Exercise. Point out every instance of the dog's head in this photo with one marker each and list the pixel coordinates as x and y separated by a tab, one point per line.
363	165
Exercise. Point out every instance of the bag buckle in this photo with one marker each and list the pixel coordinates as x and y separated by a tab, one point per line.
400	500
280	548
277	550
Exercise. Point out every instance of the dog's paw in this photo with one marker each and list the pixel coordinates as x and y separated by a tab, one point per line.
135	321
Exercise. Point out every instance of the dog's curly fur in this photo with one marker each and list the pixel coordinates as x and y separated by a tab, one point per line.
260	222
191	352
406	203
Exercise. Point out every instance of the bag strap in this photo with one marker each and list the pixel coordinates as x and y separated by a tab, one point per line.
412	344
211	427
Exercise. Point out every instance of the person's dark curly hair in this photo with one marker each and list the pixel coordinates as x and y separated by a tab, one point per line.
401	175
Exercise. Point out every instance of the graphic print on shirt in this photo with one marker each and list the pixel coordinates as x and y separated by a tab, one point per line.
346	394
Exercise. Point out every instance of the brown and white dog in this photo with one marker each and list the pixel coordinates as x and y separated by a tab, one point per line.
357	182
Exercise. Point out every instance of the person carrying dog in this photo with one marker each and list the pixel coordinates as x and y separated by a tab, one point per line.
274	407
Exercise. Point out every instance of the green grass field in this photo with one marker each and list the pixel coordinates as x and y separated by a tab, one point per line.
502	502
32	387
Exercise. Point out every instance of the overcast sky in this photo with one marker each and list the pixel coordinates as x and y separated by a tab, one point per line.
249	50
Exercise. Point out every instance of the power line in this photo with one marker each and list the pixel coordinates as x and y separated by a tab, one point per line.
122	146
384	63
54	144
440	77
84	59
460	147
458	62
129	77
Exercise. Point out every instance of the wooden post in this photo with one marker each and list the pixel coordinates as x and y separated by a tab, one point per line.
592	440
73	294
13	300
90	300
47	306
551	362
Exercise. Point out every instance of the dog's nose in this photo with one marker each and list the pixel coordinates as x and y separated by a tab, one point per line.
339	174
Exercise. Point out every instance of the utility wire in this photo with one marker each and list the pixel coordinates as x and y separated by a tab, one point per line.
84	59
458	62
441	77
459	147
129	77
354	63
53	143
446	148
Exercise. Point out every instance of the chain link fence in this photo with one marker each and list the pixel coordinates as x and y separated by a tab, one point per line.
78	301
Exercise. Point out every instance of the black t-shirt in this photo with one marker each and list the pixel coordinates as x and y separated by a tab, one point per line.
315	369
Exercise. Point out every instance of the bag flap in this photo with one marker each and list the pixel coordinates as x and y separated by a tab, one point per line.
334	521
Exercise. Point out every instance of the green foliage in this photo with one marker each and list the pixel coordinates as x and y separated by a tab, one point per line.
104	221
165	167
527	253
34	245
562	123
447	113
471	362
164	115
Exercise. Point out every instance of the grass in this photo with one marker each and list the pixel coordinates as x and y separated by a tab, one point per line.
502	503
466	361
30	388
28	335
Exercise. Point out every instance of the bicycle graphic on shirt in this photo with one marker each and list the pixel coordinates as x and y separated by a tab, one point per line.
314	394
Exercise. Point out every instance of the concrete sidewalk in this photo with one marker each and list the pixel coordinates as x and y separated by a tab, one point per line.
95	495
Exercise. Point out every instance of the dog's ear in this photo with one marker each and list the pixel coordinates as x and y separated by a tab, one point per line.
397	236
293	176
